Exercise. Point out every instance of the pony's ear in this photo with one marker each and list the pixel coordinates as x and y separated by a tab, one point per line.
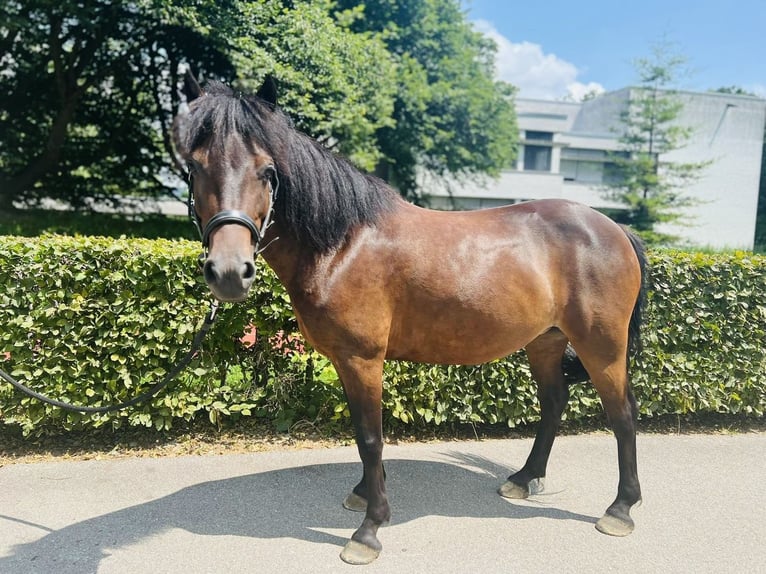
191	90
268	91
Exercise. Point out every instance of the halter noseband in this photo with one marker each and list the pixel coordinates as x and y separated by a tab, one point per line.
228	216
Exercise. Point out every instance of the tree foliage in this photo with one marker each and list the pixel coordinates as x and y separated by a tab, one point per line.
90	94
93	87
648	185
337	85
451	116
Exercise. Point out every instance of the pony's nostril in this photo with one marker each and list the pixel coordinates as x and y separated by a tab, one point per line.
229	278
248	271
208	270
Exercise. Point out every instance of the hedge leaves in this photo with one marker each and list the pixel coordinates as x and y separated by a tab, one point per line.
96	321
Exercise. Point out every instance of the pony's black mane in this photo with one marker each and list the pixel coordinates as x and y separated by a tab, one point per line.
321	196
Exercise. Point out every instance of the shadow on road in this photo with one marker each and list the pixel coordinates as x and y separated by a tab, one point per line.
293	502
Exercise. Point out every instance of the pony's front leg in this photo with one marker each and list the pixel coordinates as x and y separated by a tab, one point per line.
362	382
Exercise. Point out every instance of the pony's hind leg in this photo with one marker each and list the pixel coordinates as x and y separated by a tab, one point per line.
610	377
545	355
357	498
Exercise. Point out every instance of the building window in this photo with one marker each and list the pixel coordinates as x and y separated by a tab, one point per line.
582	171
537	150
538	136
568	169
537	158
590	166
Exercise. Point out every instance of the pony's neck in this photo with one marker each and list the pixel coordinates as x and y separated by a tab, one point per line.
284	254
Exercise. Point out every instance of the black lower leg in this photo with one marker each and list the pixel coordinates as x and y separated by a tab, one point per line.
617	521
629	489
363	386
361	488
373	489
553	400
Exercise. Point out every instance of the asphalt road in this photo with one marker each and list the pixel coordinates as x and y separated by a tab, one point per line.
703	511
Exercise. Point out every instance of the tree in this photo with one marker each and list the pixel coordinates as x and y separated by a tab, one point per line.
94	86
91	96
337	85
450	116
648	186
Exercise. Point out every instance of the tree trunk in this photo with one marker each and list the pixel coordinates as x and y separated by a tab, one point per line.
14	187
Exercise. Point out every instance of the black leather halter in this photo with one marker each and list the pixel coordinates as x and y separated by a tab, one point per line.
229	216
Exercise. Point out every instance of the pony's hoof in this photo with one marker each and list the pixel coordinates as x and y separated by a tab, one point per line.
355	502
615	525
357	553
512	490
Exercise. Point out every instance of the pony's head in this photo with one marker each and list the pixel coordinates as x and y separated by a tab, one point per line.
232	180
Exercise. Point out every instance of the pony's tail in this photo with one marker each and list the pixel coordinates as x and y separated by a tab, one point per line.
574	371
637	317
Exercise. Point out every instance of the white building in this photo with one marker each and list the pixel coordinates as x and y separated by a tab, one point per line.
564	149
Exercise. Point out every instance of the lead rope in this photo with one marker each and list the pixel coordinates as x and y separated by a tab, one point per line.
180	366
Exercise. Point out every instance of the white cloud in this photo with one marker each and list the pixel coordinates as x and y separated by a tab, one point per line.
758	89
535	73
579	91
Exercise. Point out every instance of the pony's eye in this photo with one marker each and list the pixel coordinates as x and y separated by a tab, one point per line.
269	172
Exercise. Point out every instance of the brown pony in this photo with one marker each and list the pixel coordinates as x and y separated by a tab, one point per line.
372	277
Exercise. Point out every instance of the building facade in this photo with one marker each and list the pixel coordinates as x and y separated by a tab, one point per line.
565	151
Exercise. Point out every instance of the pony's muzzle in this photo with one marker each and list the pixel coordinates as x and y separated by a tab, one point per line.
229	279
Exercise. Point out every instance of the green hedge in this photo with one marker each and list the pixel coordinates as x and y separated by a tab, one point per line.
97	321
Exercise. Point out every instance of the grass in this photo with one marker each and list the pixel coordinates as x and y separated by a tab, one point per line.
33	222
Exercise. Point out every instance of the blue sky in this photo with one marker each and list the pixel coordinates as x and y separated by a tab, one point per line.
553	48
